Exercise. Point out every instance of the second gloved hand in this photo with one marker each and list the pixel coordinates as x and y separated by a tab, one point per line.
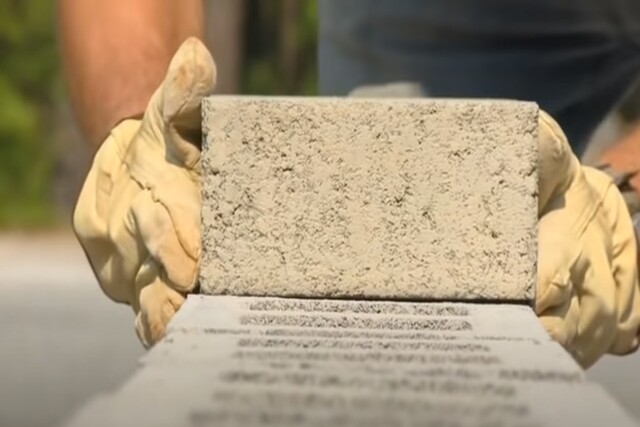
138	214
588	297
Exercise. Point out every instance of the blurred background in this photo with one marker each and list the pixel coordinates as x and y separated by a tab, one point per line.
62	341
260	47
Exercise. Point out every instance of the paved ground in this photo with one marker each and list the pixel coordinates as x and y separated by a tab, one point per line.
62	341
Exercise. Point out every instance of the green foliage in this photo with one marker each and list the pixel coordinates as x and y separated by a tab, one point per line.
29	82
308	36
30	89
264	70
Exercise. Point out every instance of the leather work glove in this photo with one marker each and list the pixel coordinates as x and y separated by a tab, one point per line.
138	214
588	297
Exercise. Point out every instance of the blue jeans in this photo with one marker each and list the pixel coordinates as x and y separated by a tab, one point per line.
575	58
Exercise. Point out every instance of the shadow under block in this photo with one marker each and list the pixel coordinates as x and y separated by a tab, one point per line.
368	198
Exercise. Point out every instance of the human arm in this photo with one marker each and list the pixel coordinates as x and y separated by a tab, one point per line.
116	53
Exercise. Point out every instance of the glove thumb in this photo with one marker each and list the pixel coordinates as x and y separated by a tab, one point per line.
191	77
174	111
557	164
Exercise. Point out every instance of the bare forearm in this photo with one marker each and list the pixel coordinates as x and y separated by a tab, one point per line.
116	52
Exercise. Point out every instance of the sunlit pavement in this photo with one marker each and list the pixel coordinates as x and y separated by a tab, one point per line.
62	341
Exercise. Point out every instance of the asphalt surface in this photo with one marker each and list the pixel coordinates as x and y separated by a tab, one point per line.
62	341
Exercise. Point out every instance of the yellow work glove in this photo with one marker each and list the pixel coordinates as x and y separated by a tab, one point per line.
138	214
587	295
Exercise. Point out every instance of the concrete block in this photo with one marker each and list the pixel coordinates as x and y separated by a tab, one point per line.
482	341
500	321
240	361
369	198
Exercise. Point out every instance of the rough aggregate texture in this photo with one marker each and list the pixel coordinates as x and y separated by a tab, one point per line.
369	198
215	370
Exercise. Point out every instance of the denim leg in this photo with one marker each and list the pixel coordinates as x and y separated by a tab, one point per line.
575	58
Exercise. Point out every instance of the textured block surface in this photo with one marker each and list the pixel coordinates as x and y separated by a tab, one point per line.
394	199
256	361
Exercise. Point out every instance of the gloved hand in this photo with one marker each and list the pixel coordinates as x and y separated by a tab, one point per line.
138	214
588	297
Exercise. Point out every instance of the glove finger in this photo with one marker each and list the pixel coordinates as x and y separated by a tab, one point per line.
557	254
557	165
173	115
596	290
191	77
597	325
157	302
171	233
561	321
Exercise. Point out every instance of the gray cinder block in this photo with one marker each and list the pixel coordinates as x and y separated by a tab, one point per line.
257	361
369	198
